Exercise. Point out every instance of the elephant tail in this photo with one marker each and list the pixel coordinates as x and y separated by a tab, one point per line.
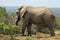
54	20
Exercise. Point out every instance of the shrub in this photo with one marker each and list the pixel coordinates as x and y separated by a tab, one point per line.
34	29
6	29
2	11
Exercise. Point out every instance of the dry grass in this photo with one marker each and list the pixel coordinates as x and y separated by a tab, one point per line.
38	36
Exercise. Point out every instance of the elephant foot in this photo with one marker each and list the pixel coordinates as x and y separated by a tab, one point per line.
53	34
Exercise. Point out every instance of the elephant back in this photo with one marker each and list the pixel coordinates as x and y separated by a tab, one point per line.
36	10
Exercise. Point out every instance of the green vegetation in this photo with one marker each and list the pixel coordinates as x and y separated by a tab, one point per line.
57	22
7	29
28	38
2	11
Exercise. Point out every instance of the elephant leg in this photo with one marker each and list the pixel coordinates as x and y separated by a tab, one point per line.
29	29
52	31
23	29
24	25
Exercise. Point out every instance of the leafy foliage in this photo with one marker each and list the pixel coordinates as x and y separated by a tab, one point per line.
6	29
2	11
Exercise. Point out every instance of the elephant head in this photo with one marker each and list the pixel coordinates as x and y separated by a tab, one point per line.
20	13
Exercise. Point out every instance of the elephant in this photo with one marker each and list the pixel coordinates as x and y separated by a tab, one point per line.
40	16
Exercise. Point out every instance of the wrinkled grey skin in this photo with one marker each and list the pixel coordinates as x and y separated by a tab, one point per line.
41	16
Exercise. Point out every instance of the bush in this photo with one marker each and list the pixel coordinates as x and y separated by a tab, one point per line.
7	29
2	11
36	29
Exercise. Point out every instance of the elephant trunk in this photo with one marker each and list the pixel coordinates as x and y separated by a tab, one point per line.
18	19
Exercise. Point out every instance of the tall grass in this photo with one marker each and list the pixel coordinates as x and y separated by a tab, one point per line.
57	22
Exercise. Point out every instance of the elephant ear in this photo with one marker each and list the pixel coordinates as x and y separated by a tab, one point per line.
22	11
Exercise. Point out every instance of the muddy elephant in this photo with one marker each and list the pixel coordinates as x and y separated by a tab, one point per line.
36	15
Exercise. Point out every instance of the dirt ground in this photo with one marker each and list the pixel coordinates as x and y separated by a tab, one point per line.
38	36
